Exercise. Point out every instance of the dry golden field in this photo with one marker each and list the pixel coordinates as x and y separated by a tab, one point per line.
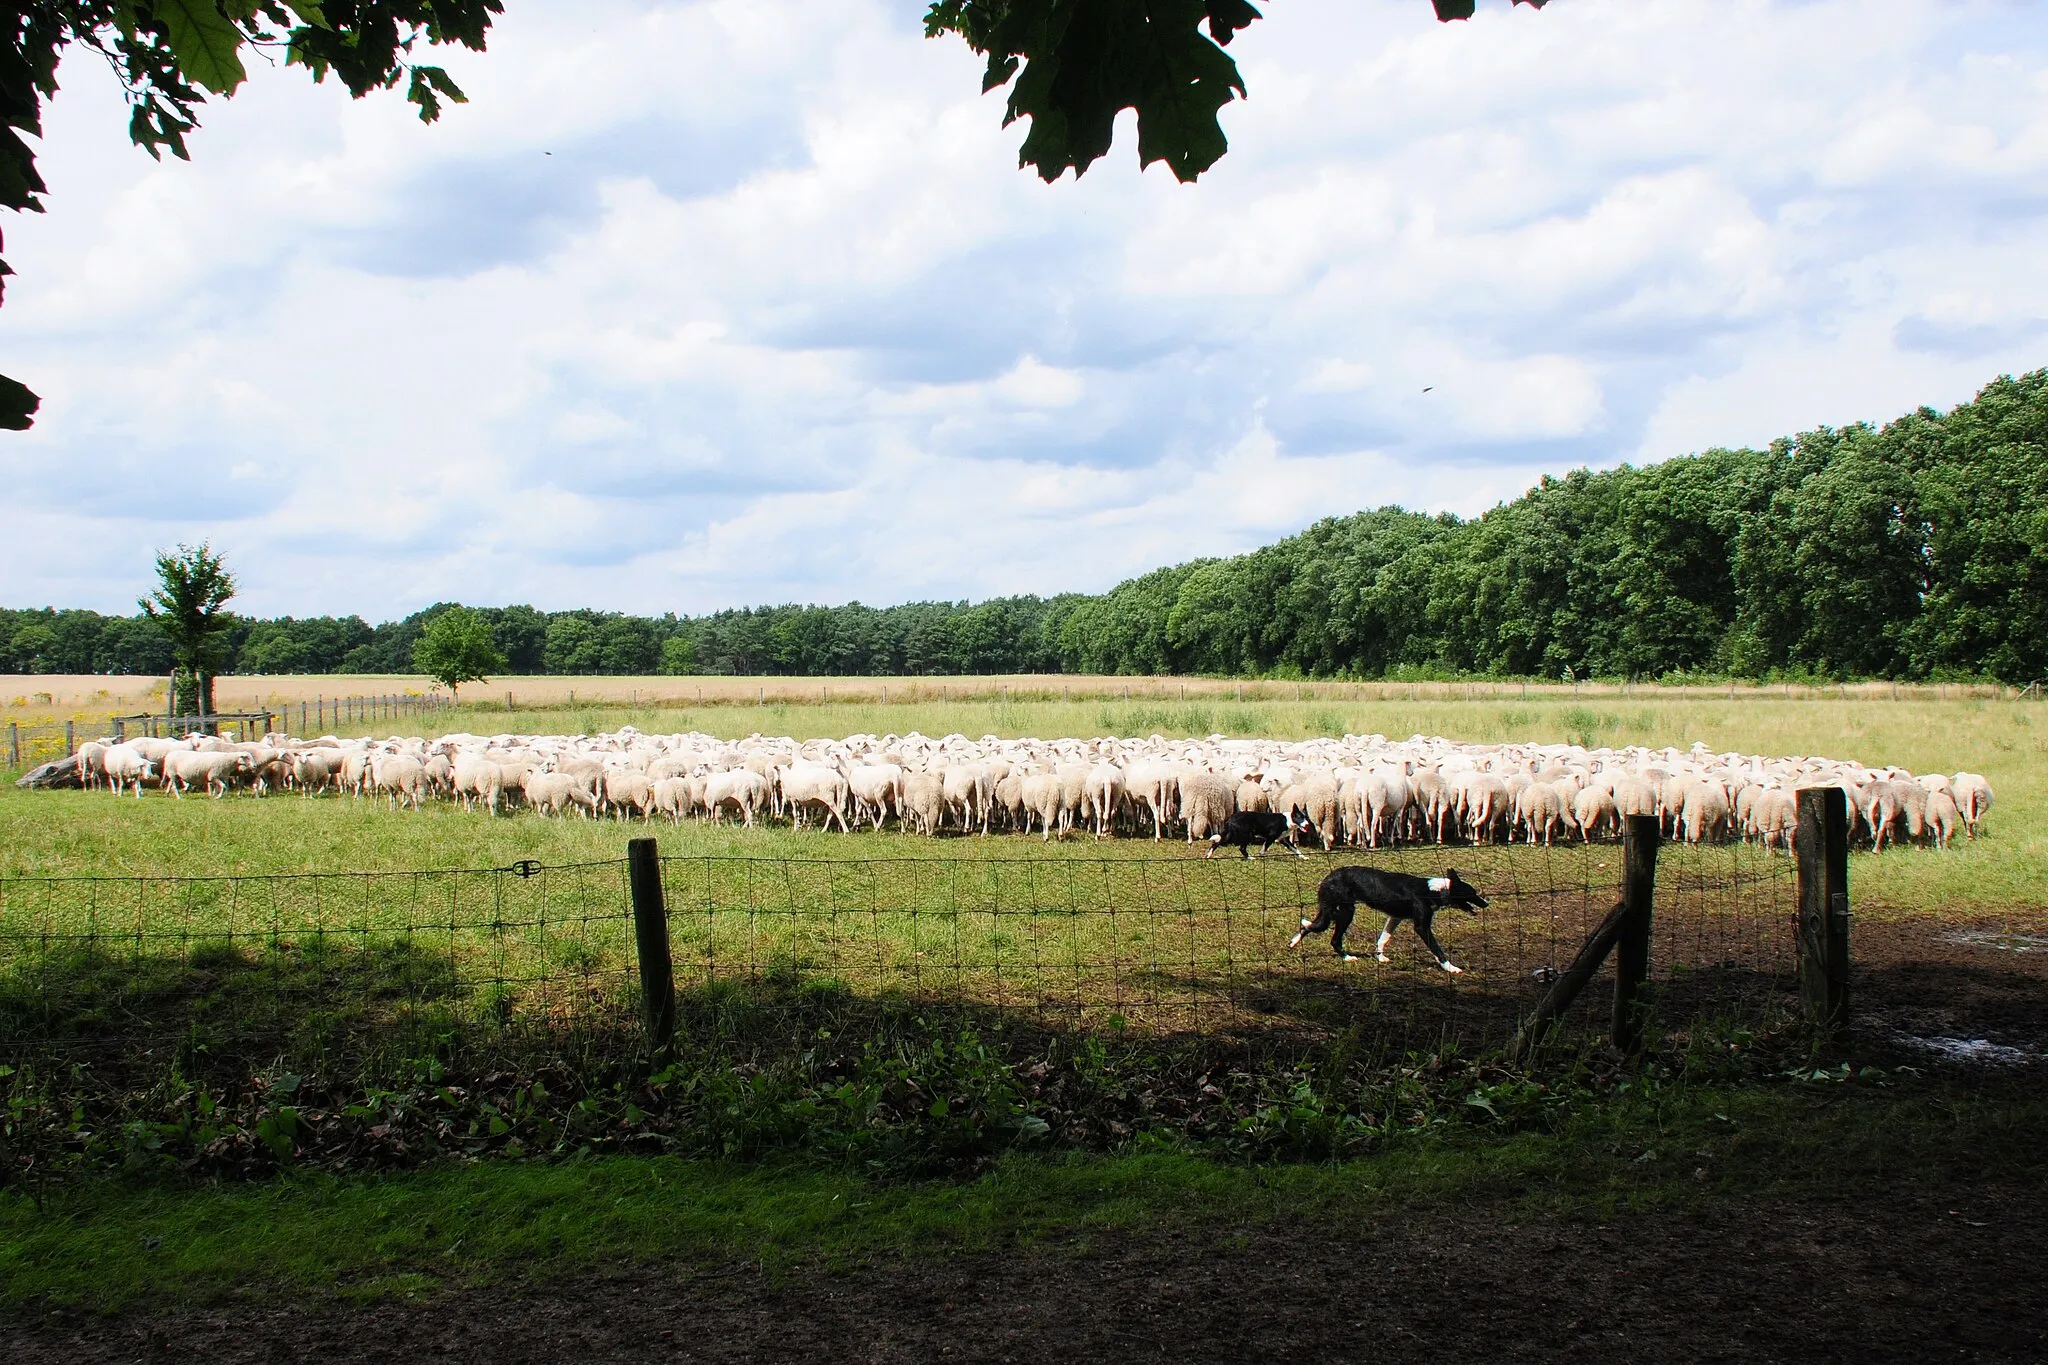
43	698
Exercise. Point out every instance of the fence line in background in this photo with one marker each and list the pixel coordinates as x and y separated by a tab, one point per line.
40	742
787	690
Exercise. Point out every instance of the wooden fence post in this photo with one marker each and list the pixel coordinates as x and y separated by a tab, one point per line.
70	740
1627	923
1822	844
13	744
650	935
1632	941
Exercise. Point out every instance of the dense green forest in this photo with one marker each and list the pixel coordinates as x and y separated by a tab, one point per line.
1915	550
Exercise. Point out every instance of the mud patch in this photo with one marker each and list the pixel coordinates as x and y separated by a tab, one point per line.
1968	1051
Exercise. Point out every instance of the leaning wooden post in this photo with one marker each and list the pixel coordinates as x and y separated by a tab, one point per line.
1822	843
1632	942
650	933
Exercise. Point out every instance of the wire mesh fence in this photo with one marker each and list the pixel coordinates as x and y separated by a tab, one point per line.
325	965
24	745
129	970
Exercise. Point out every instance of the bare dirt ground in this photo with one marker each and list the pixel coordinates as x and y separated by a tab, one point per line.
1918	1276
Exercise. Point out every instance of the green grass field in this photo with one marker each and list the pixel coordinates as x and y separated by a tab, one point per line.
1114	928
111	1242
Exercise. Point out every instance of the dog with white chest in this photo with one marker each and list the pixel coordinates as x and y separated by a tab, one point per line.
1397	895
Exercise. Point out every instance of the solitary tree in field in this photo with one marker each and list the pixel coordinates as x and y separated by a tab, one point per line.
193	588
457	647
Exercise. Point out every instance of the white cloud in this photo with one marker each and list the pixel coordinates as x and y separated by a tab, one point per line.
703	304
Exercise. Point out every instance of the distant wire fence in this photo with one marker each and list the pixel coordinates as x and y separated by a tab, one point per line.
37	742
342	968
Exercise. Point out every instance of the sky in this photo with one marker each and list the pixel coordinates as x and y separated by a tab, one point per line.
714	304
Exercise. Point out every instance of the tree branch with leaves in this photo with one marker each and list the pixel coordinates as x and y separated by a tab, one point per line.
169	55
1077	64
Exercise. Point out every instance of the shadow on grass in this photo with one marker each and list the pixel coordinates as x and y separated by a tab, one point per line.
351	1005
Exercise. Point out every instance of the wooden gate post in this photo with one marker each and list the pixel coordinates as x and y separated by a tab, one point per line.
1632	943
650	934
1822	844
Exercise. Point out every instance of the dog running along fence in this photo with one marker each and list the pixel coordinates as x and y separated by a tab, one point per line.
345	968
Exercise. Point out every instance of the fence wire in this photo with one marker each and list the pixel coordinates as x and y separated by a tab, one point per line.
1191	945
310	965
133	969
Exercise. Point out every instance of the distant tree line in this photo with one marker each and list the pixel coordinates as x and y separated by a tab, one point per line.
1915	550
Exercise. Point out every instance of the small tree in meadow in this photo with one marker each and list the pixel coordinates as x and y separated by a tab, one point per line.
457	647
189	607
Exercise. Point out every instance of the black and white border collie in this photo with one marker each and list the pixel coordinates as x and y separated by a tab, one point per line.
1264	828
1397	895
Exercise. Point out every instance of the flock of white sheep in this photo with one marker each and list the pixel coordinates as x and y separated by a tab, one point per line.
1362	789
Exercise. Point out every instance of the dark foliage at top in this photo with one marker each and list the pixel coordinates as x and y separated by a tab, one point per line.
1073	65
169	55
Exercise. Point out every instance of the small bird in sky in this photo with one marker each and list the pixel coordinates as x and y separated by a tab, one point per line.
1428	388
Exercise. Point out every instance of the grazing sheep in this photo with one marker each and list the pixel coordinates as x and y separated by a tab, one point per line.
401	777
1007	800
1103	797
924	801
90	762
673	798
1041	797
967	787
629	789
1482	804
1153	783
478	779
212	770
1703	812
745	790
125	765
1540	810
1972	797
1633	796
1593	810
1366	789
1777	818
1073	792
808	785
550	794
1388	796
1252	797
1315	796
1942	817
877	790
1207	801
